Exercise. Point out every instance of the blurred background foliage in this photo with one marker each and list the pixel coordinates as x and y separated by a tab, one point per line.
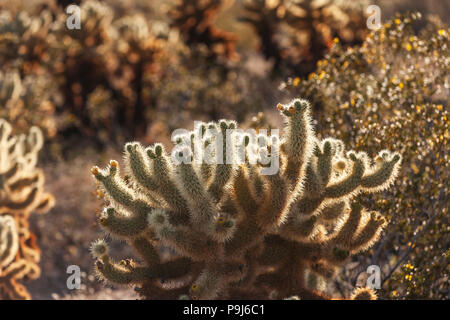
136	70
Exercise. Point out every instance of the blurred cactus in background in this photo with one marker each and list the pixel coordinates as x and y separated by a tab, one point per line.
239	233
9	245
111	59
25	41
27	102
194	19
107	59
296	34
21	193
394	89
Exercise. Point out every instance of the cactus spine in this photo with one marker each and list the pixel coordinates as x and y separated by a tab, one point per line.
21	193
238	233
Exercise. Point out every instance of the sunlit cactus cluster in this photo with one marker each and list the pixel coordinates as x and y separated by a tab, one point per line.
236	230
21	193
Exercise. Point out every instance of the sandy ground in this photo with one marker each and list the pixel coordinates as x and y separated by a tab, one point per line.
66	232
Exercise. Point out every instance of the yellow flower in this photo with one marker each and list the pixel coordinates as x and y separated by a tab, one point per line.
408	47
439	107
441	32
400	85
296	81
336	40
321	75
398	21
221	221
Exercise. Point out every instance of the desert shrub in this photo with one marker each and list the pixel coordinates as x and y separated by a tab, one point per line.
296	34
21	194
393	89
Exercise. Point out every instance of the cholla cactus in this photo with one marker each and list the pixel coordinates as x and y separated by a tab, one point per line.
21	193
296	34
139	53
106	72
9	244
238	232
195	21
27	102
25	40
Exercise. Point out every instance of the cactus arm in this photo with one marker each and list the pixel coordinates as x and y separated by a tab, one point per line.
162	170
382	177
333	211
190	244
324	166
297	141
138	166
120	274
272	211
9	241
348	184
242	192
146	250
346	232
119	192
124	226
201	206
368	234
224	168
9	205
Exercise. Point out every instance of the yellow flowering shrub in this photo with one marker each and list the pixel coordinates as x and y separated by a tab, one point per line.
394	89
